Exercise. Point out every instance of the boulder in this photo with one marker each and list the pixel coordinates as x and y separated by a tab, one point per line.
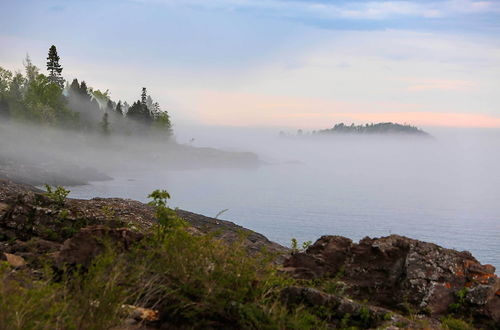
13	260
340	307
83	247
398	272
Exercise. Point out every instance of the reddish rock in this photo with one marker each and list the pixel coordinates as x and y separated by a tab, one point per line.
393	271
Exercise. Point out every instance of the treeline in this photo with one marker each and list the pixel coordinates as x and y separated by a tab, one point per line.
50	100
379	128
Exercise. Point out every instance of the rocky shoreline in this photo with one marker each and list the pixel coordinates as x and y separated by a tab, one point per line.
394	282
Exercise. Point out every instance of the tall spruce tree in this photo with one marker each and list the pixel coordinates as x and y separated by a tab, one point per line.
144	97
54	67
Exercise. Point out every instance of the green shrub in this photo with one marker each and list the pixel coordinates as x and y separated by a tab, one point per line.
295	246
167	218
57	195
92	301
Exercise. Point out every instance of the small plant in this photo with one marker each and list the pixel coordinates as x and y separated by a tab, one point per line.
57	194
167	218
364	314
295	246
459	305
346	319
306	244
220	213
109	213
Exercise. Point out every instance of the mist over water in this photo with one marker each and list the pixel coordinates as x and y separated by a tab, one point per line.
443	190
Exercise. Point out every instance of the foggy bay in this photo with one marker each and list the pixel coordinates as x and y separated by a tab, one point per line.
445	190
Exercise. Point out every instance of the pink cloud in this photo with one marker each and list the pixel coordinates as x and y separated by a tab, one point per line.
246	109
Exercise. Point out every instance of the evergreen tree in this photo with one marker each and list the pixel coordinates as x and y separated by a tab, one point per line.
144	97
135	111
119	109
139	110
74	88
84	89
162	123
54	67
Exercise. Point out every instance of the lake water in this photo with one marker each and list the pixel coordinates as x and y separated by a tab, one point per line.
445	191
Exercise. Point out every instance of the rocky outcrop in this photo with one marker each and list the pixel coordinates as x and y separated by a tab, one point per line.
89	242
51	172
27	214
400	273
231	232
340	307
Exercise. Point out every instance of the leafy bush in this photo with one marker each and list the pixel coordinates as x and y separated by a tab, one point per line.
167	218
57	195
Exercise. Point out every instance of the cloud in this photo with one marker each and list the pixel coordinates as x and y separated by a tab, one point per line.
440	84
355	10
250	109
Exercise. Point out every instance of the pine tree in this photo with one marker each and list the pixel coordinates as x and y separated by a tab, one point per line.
144	97
54	67
84	89
119	109
139	110
74	88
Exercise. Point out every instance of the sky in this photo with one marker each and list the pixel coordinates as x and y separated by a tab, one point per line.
280	63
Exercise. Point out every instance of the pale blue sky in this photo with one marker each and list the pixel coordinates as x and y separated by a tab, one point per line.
275	62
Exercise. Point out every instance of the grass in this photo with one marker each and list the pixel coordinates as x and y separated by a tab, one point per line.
195	281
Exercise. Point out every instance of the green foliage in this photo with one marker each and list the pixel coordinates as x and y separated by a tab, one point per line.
451	323
346	319
43	99
54	68
167	218
459	305
364	314
57	195
162	123
196	281
295	246
92	301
